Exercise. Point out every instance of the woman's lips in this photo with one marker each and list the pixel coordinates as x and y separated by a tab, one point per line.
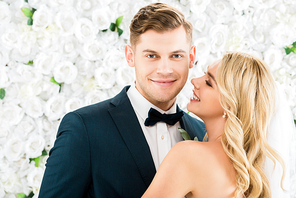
195	97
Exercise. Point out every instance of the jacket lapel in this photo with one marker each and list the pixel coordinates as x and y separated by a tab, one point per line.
128	125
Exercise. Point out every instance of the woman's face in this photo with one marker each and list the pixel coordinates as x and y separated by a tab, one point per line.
205	101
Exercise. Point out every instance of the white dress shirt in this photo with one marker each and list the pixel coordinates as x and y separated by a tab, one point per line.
161	136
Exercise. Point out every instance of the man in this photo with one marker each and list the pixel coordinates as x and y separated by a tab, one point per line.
111	149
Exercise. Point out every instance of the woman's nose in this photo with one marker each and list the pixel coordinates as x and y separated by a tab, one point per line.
195	82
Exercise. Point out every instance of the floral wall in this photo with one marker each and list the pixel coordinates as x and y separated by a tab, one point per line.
59	55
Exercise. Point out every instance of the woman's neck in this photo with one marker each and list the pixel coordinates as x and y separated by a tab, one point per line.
215	128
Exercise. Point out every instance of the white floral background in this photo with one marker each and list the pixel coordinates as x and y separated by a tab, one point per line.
64	60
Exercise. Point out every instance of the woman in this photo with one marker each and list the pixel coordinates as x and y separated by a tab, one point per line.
236	101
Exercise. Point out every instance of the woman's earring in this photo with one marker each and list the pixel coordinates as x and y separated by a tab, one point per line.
224	115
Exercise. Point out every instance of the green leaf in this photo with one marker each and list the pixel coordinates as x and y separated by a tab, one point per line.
44	153
196	139
30	62
120	31
21	195
184	134
288	50
37	160
54	81
26	1
30	195
112	27
27	12
105	30
30	21
291	48
295	122
33	10
118	21
2	93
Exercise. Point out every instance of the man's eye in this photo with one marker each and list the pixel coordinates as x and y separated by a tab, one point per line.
177	56
207	82
151	56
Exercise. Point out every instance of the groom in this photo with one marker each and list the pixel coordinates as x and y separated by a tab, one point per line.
113	148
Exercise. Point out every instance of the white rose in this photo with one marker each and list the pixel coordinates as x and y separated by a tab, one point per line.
273	57
199	6
45	62
49	89
34	145
26	73
85	30
93	51
14	148
95	97
33	107
9	38
60	3
69	46
72	104
282	35
291	59
115	90
109	38
202	47
65	72
5	14
11	93
46	42
240	4
218	35
264	19
85	67
2	192
123	8
24	52
26	91
54	107
35	3
25	127
11	182
4	79
11	113
42	18
101	17
90	85
66	21
125	75
265	3
35	178
114	59
85	6
46	127
4	55
4	132
104	77
77	87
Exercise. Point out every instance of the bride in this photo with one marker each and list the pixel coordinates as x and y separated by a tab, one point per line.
237	101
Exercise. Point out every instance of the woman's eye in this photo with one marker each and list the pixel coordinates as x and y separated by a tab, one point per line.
209	84
151	56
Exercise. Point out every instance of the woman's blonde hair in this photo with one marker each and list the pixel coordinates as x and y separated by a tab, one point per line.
247	94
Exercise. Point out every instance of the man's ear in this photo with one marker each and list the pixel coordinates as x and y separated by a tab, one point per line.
129	55
192	56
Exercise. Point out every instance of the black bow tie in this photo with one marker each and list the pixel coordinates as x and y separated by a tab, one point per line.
154	116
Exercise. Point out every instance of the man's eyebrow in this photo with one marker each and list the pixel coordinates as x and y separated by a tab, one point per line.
211	75
178	51
150	51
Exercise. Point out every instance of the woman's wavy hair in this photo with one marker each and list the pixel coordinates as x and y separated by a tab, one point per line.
159	17
247	94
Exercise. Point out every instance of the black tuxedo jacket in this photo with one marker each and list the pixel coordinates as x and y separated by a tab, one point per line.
101	151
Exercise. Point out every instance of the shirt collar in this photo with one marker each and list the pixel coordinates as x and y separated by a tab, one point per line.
142	106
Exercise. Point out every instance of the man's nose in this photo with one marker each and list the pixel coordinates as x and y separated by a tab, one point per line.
164	66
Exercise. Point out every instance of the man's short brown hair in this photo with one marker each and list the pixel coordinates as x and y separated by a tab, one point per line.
159	17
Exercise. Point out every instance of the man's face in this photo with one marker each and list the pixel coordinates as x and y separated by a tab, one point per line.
162	62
